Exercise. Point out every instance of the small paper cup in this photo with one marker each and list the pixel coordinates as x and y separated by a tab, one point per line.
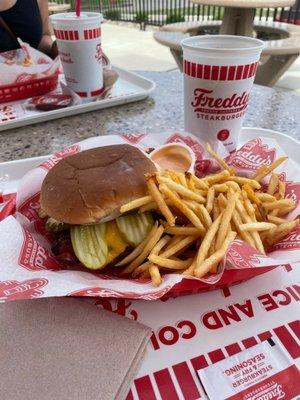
181	157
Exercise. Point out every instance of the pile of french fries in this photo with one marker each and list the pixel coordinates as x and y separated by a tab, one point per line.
199	218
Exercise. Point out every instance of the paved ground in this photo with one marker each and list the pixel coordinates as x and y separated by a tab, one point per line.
130	48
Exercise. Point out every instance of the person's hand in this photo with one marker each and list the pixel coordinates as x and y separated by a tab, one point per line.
54	50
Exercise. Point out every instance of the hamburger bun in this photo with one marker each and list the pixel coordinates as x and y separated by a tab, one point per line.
91	186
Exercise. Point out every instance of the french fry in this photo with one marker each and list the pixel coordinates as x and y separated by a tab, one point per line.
136	204
190	270
173	241
199	183
220	187
244	235
261	170
205	217
257	226
221	203
216	209
182	179
286	210
219	159
275	220
281	189
248	205
278	204
190	182
226	218
246	219
155	275
253	197
182	230
273	184
146	250
180	189
193	205
210	199
160	244
260	175
169	263
212	247
233	185
157	196
141	269
245	181
205	266
265	197
211	179
177	247
238	222
151	206
182	207
214	268
205	245
172	174
276	234
137	251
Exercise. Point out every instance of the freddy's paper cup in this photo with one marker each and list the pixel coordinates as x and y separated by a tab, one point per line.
79	45
219	71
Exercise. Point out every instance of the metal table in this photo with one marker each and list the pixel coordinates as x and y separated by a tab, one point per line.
239	15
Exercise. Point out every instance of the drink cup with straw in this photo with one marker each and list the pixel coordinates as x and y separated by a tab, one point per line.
78	37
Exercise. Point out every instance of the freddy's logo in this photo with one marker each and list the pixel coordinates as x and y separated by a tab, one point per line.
30	207
290	242
292	191
59	155
252	155
15	290
273	392
99	53
132	137
34	257
241	255
205	101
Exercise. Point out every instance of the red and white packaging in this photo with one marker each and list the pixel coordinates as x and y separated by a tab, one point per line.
25	246
219	71
79	45
26	72
263	372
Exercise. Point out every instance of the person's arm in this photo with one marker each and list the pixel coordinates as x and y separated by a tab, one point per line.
46	44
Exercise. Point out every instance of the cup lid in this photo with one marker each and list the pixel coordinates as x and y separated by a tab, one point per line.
71	17
223	44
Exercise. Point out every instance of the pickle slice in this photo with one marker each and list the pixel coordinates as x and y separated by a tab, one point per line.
52	225
89	245
135	227
116	245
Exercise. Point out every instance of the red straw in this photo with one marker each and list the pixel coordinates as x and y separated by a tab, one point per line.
78	7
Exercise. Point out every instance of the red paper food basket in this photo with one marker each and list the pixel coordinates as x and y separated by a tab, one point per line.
27	89
29	268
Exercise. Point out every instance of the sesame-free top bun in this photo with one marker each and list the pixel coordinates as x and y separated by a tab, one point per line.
92	185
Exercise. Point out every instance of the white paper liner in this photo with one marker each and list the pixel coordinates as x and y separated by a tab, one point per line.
28	270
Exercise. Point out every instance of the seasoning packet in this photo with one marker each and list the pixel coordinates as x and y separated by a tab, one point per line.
262	372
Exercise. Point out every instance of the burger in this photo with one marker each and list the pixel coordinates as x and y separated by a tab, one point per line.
82	195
